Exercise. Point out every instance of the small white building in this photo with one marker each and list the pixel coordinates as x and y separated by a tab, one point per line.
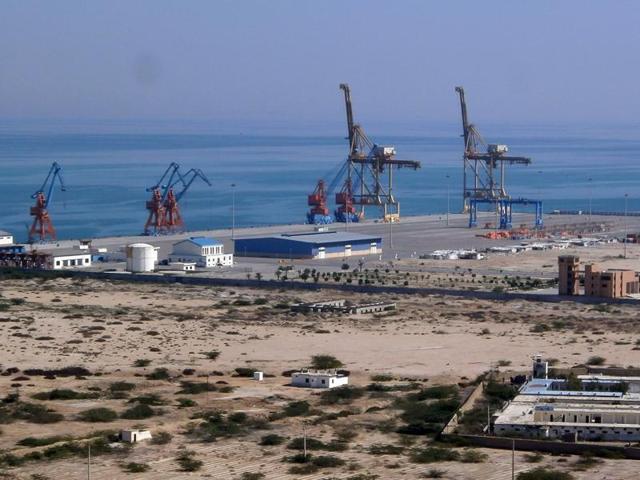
6	238
318	379
133	436
203	251
69	258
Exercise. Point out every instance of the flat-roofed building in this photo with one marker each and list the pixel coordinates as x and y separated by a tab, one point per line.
609	283
568	275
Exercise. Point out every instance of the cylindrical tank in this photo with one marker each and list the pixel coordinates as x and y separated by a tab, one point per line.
141	257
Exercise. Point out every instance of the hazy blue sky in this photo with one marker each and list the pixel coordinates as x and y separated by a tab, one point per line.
281	60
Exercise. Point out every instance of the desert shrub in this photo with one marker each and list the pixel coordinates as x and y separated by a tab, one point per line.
381	377
596	360
142	362
122	386
252	476
381	449
296	409
426	418
30	412
327	461
161	438
315	444
149	399
585	462
194	388
133	467
272	439
159	374
188	463
542	473
324	362
59	372
42	441
244	372
65	394
214	426
185	403
534	457
500	391
212	355
95	415
341	395
436	392
473	456
434	454
434	473
138	412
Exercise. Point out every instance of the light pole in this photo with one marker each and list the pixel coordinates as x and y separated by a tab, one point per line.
448	197
626	197
233	211
590	197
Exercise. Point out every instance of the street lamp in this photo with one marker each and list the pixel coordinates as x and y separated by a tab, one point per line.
590	196
626	197
233	210
448	196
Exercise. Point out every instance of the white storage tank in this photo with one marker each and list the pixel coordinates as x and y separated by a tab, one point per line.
141	257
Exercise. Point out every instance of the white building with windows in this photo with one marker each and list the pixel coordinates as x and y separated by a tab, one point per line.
203	251
318	379
69	258
6	238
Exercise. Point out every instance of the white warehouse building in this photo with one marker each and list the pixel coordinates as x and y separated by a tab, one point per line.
6	238
69	258
203	251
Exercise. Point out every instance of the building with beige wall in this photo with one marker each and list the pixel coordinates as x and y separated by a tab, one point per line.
568	275
609	283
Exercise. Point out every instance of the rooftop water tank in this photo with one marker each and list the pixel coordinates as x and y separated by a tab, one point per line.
141	257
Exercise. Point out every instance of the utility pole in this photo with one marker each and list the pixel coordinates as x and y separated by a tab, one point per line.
448	196
513	459
488	419
89	460
233	211
304	439
626	197
590	197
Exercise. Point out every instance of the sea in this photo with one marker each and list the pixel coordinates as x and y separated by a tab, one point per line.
268	173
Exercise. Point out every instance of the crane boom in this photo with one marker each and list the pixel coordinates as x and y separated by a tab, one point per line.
349	108
53	175
465	119
188	178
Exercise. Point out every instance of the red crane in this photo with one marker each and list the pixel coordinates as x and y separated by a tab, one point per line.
172	218
42	225
346	212
319	214
155	223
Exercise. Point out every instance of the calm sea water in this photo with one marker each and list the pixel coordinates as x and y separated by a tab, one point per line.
107	173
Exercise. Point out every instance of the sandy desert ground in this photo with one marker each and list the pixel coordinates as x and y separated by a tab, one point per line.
106	327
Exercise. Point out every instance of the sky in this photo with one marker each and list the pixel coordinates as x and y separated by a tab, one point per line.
279	62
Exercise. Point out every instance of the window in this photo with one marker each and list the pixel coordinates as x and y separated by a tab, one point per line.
323	382
306	380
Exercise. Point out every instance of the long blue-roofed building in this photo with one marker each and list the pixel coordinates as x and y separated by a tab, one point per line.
316	245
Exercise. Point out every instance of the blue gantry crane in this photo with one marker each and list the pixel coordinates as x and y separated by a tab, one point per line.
172	217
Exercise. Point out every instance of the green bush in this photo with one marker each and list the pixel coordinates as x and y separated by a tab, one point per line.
188	463
122	387
185	403
296	409
272	439
438	392
542	473
95	415
381	449
133	467
473	456
139	412
65	394
252	476
325	362
142	362
194	388
212	355
161	438
149	399
30	412
596	360
341	395
159	374
42	441
434	454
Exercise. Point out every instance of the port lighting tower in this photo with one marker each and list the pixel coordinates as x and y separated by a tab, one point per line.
42	226
366	165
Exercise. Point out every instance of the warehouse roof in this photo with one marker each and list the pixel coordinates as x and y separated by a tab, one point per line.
203	241
322	238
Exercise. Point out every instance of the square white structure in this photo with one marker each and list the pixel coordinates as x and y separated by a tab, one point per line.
318	379
134	436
